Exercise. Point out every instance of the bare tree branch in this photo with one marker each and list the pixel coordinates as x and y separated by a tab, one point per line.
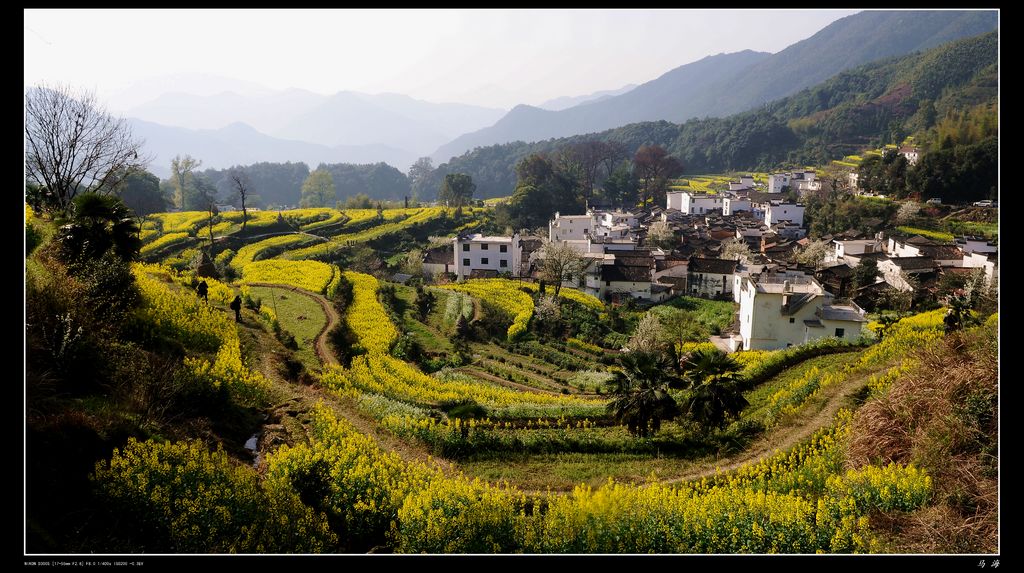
73	145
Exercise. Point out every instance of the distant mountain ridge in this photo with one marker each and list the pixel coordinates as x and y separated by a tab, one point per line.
241	144
730	83
347	118
565	102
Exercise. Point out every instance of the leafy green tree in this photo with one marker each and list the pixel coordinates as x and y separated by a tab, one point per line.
419	176
140	191
640	390
457	190
183	178
318	189
865	273
715	394
654	166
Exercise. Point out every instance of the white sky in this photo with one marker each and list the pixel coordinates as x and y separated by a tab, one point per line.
496	58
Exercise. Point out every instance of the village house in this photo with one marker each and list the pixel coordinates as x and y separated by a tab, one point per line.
746	182
694	203
479	256
777	211
710	278
895	270
911	153
623	274
796	181
438	260
781	311
731	204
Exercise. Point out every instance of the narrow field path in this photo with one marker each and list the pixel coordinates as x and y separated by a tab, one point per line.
323	348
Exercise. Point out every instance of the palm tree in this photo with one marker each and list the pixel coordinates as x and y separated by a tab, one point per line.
715	393
640	388
99	223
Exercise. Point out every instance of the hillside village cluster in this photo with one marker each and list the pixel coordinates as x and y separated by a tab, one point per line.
781	303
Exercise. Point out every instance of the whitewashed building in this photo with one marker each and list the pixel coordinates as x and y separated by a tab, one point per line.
778	312
778	211
694	203
570	227
487	256
732	204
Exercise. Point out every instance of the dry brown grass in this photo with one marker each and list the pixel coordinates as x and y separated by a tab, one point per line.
942	417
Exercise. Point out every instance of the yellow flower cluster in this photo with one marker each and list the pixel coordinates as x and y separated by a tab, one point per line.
366	316
184	222
892	488
29	215
163	241
200	327
572	294
414	217
201	502
247	254
379	373
313	276
584	345
795	502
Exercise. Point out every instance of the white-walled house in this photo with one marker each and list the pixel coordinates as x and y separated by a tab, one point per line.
438	260
731	204
570	227
709	277
479	253
796	181
613	219
911	153
987	261
893	270
778	312
853	247
778	211
621	274
694	203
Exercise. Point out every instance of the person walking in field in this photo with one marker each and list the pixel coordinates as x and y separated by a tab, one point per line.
236	305
202	290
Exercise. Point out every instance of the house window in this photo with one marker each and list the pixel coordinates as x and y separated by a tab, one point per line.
465	262
483	247
840	332
607	283
503	248
483	261
504	263
792	320
465	248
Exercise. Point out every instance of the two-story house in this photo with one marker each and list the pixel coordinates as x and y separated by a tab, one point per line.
778	312
480	256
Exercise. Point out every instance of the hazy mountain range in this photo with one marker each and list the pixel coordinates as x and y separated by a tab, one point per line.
243	123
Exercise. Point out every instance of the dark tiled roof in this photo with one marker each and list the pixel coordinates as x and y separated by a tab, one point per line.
440	256
848	313
838	271
919	240
624	273
942	252
712	266
913	263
